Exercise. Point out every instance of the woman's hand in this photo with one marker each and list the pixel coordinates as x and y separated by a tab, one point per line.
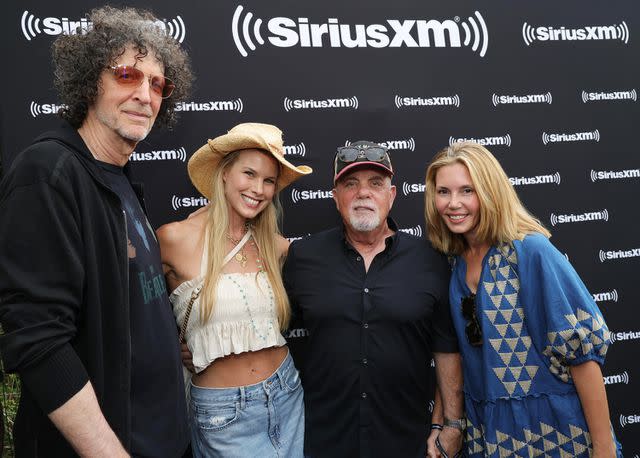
432	450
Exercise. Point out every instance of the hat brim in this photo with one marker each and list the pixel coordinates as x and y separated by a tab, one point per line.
360	164
206	160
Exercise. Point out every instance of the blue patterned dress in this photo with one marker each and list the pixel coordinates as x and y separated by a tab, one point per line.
537	319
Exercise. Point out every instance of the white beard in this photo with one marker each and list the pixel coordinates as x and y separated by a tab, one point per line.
364	222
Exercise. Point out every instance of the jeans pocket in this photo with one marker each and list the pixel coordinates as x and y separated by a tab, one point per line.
215	418
292	379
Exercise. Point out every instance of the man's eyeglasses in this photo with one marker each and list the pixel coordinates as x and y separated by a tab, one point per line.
371	153
127	75
473	331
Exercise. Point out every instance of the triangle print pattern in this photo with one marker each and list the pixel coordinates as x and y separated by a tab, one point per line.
584	334
545	442
508	338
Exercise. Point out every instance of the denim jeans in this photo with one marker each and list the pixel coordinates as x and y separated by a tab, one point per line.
265	419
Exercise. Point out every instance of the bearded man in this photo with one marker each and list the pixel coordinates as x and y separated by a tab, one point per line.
375	303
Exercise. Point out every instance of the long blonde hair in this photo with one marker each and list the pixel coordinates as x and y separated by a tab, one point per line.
265	232
503	218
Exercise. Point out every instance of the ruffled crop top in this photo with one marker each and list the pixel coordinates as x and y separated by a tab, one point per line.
243	319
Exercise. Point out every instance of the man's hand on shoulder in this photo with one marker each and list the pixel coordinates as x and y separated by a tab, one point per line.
282	245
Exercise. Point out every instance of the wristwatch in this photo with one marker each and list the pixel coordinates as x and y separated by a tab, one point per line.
460	424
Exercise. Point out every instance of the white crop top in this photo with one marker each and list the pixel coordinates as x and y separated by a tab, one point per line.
244	317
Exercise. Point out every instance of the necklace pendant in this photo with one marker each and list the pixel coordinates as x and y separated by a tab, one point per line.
241	258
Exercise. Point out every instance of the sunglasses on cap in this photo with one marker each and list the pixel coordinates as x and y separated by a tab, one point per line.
472	329
127	75
354	153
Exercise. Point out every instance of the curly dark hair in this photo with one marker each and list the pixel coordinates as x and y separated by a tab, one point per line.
80	59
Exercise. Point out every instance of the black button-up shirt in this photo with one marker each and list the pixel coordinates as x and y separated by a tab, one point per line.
365	367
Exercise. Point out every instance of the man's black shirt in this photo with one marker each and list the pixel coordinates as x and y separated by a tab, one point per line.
365	367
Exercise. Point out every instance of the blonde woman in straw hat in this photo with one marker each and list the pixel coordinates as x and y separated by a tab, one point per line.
223	268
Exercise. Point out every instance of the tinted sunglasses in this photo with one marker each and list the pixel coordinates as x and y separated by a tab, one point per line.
473	331
127	75
371	153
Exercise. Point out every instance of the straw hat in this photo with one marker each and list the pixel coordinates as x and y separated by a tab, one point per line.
243	136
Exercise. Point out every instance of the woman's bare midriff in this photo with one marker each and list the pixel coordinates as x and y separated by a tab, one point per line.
243	369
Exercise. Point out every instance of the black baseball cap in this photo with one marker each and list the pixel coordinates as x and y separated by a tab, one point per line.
358	154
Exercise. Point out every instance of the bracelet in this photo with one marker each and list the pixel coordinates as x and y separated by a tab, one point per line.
459	424
437	426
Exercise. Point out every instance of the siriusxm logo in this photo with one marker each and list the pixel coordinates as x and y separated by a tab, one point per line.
625	335
504	140
618	95
417	230
618	254
297	196
37	109
445	101
617	378
296	333
187	202
293	238
607	296
629	420
162	155
602	215
311	104
295	150
285	32
538	179
412	188
574	137
596	32
613	175
33	26
219	105
408	144
529	98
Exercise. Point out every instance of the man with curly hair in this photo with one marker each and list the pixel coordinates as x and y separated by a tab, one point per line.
87	322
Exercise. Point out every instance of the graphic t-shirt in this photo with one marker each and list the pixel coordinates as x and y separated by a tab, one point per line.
158	410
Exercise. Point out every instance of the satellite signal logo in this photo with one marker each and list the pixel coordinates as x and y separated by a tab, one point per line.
187	202
618	95
532	34
179	154
297	196
295	150
36	109
416	230
574	137
444	101
551	178
629	420
412	188
607	296
579	218
319	104
530	98
32	26
406	144
504	140
613	174
217	105
285	32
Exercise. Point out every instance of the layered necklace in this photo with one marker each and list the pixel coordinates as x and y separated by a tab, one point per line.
241	256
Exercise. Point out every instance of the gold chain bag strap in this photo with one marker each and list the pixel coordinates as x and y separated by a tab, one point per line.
185	321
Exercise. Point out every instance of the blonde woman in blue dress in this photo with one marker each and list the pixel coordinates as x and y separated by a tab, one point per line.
245	395
531	336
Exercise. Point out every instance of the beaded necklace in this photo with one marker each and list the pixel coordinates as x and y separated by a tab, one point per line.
241	257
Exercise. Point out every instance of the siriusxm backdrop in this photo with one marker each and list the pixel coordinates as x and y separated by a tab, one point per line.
549	87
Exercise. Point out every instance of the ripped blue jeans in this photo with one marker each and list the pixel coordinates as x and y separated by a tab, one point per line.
265	419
